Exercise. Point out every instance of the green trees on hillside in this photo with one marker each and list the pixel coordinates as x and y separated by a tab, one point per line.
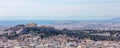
81	34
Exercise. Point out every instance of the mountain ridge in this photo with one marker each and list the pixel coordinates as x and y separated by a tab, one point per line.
117	19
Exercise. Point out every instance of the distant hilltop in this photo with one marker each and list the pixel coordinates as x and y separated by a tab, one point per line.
20	32
31	25
117	19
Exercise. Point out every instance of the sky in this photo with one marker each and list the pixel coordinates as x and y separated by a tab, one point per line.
59	9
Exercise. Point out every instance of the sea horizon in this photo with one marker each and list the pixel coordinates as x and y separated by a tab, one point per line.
40	22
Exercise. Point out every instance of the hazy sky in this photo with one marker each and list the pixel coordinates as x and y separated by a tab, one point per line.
59	9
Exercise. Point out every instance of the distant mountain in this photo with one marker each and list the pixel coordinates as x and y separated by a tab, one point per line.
113	20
